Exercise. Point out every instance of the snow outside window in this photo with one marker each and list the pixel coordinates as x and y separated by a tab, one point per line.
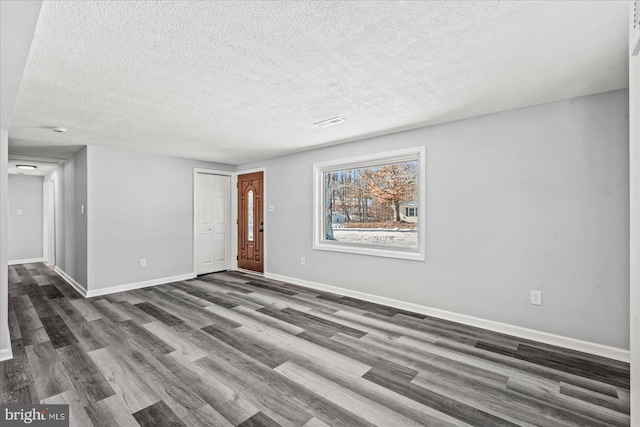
361	205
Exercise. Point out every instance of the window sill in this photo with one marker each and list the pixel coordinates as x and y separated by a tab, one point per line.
357	250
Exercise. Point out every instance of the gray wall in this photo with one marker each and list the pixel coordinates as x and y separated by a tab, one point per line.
535	198
141	206
70	222
17	24
5	340
634	180
25	230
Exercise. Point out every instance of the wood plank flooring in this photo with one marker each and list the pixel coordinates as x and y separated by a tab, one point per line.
231	349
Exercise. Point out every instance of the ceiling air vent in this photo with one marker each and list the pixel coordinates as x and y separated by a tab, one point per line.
329	122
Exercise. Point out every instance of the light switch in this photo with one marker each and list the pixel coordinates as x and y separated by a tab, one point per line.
272	208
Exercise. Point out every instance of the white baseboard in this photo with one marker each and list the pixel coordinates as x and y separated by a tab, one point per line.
120	288
75	285
504	328
25	261
138	285
6	353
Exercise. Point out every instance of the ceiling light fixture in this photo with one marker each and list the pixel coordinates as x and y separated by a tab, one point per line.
59	130
329	122
27	167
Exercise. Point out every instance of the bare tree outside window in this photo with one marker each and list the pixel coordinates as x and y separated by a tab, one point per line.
372	204
328	207
365	205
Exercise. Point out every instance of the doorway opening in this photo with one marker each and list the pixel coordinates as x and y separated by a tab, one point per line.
49	250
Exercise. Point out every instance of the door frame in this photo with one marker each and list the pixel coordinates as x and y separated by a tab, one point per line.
234	232
49	222
265	205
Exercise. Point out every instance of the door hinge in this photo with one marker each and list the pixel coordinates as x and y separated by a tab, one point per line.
236	257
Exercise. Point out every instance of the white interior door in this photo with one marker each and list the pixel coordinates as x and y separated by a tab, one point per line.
213	223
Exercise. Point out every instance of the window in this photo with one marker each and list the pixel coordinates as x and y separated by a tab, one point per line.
250	217
369	205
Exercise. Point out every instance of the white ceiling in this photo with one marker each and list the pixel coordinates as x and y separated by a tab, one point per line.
235	82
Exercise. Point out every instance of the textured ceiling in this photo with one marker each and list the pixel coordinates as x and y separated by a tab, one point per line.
240	81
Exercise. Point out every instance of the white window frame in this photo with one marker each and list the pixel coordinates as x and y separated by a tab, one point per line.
398	156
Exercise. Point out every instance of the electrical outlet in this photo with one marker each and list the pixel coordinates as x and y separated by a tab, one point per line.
303	261
536	297
143	262
19	211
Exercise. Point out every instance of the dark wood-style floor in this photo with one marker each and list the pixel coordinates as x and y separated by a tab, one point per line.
231	349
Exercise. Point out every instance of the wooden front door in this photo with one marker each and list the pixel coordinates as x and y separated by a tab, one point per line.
250	222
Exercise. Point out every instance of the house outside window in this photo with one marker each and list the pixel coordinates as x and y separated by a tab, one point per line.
409	211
